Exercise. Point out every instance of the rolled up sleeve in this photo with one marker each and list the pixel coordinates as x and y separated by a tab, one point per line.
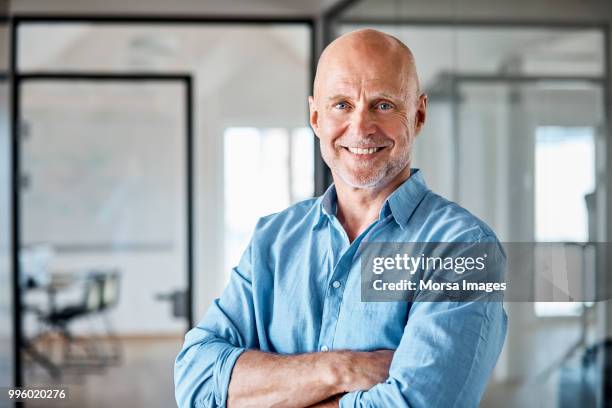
445	357
203	368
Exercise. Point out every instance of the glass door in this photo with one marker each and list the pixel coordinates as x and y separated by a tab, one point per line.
540	184
105	237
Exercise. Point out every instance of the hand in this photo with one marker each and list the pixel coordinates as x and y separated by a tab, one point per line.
361	370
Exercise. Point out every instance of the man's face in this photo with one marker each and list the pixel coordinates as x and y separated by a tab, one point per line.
366	113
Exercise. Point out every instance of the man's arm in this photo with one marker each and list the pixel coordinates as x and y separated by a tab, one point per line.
219	352
445	358
203	368
332	402
265	380
446	354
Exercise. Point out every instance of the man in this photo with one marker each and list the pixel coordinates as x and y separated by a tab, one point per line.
290	330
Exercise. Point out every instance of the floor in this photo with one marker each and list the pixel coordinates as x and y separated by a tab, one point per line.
143	378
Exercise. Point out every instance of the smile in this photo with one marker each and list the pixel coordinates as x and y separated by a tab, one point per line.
357	150
363	151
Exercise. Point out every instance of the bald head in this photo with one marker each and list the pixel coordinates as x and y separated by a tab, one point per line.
367	49
366	110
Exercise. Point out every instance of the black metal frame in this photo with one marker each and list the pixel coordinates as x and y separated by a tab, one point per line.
15	76
16	306
473	22
5	77
186	81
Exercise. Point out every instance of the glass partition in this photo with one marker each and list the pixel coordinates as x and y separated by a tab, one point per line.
515	134
254	76
250	88
103	232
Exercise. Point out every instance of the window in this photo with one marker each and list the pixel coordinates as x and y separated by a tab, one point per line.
266	170
564	177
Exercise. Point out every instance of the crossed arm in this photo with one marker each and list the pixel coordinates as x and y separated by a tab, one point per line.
444	358
221	365
295	381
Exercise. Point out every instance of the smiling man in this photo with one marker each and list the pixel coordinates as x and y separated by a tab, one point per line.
291	330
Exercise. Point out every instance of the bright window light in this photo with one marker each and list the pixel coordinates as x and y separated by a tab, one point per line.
266	170
564	176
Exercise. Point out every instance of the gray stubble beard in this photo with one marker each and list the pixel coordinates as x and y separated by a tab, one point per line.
386	173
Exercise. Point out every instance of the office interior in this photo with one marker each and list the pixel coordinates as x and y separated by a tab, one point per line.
141	141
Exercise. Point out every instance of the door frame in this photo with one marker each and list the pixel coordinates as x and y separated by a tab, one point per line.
134	77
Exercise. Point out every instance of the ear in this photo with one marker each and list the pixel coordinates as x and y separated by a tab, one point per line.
421	113
314	115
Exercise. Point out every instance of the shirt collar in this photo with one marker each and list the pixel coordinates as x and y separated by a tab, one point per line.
405	199
329	201
401	203
327	205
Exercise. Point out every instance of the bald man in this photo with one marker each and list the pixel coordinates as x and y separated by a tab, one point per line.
291	329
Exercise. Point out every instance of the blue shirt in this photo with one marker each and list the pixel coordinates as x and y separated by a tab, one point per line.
297	290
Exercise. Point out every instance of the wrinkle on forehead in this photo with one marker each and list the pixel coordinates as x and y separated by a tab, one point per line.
366	55
338	86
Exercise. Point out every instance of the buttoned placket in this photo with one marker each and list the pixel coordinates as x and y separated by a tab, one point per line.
340	270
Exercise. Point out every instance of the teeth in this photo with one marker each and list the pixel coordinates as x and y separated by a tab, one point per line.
356	150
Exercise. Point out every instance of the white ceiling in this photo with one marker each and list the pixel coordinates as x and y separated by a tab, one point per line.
277	8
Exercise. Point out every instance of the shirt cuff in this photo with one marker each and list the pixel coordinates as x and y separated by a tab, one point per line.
350	400
223	372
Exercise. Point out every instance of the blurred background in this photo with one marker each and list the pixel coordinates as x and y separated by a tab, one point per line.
141	141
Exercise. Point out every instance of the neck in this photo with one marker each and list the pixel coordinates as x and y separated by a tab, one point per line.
359	207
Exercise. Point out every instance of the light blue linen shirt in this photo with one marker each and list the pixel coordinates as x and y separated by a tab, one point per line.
297	290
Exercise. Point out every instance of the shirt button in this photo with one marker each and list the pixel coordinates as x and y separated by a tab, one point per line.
324	348
336	284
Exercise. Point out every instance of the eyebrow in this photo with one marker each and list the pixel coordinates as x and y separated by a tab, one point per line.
378	96
337	96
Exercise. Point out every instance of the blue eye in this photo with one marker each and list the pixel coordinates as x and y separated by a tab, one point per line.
385	106
341	105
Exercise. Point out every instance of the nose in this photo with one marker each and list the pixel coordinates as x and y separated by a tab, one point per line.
362	122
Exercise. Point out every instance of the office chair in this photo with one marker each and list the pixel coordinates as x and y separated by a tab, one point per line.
90	303
60	319
100	294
